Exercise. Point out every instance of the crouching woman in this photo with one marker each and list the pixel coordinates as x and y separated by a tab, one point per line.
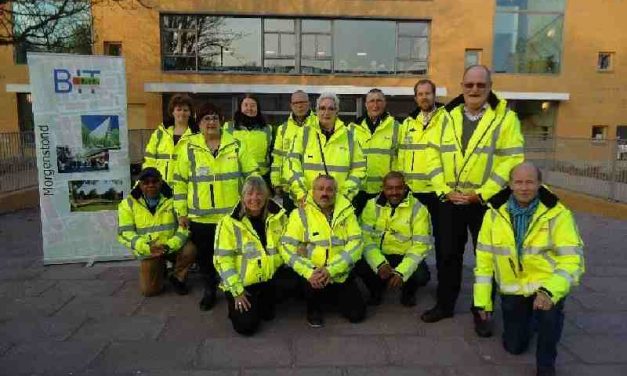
246	256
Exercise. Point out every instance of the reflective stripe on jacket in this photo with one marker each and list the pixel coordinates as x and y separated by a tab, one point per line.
413	156
341	155
161	153
285	136
380	150
206	187
310	241
138	227
552	256
257	141
405	230
239	256
496	146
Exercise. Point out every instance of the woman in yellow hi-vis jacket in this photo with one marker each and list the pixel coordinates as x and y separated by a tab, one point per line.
246	255
166	141
210	173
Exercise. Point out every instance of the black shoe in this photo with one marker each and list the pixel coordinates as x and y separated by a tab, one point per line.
208	299
435	314
483	328
545	371
408	300
315	319
179	287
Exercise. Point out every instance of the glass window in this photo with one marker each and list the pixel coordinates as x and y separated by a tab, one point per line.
599	132
528	36
364	46
413	47
279	45
472	57
113	48
605	61
229	44
316	26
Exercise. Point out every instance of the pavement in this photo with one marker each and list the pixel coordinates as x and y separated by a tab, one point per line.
77	320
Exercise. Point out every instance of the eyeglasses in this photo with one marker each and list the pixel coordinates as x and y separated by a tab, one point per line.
211	118
323	109
479	85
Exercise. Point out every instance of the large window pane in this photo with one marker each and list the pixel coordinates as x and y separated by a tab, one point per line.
229	44
316	26
364	46
528	36
279	25
179	42
413	29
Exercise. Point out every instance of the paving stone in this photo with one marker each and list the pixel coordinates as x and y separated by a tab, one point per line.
51	357
600	323
491	350
160	372
517	370
19	263
133	328
26	330
606	284
31	306
171	304
98	307
601	302
340	351
590	370
605	271
86	288
429	351
70	271
123	273
597	349
21	289
205	325
293	372
394	371
20	274
243	352
145	355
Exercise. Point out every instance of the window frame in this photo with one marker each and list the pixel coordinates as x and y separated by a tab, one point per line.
612	61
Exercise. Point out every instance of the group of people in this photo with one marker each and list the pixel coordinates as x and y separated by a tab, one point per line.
327	203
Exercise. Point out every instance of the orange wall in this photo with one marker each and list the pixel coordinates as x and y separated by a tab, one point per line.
595	98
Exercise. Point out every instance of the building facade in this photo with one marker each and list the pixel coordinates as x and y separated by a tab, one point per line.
557	61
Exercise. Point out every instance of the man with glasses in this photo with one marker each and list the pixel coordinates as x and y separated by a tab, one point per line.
300	116
479	141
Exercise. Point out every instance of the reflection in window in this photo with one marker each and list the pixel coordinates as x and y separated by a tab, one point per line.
279	45
528	36
363	46
316	55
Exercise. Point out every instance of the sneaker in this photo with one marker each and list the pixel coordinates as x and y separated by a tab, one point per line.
483	328
436	314
208	299
315	319
408	300
179	287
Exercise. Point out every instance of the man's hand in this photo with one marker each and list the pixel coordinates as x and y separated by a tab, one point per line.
319	278
395	281
184	222
485	315
241	302
456	198
542	301
472	198
302	202
385	271
156	249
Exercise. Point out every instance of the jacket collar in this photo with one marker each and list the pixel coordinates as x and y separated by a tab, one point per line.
547	198
493	101
365	118
414	114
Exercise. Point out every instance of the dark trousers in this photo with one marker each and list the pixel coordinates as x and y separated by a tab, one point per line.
261	298
360	200
376	286
346	295
454	223
202	235
519	322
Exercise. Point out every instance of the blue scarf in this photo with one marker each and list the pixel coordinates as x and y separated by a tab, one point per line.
152	203
521	218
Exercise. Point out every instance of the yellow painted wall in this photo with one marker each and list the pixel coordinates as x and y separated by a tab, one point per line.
595	98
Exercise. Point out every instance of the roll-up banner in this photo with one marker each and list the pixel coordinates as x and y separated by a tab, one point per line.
79	108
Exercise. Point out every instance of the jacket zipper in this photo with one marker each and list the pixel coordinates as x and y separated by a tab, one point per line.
326	256
259	269
212	197
511	264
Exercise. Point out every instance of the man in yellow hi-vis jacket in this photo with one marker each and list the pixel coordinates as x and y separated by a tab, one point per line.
148	225
529	243
477	144
397	237
322	242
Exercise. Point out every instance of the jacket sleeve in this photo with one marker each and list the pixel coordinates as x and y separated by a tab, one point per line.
291	241
484	269
247	164
343	262
177	241
434	154
294	173
180	181
225	257
421	243
568	254
150	154
372	253
279	155
509	151
127	233
357	173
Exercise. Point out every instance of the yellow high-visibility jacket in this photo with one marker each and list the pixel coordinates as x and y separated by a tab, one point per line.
285	135
257	141
206	187
161	153
310	241
341	153
138	227
404	230
239	256
494	149
413	158
552	256
380	149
